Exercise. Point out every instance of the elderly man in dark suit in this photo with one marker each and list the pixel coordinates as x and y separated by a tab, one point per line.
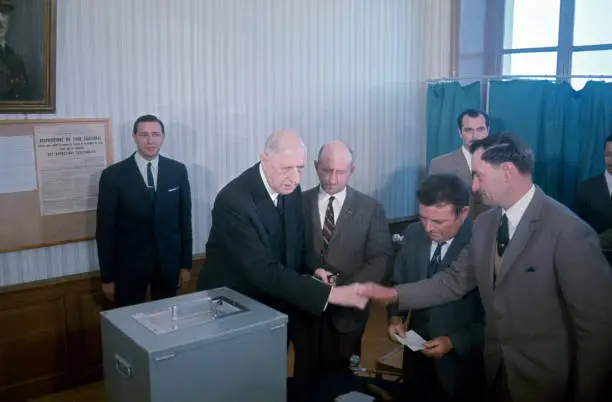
256	243
472	125
347	240
593	201
544	283
451	363
143	226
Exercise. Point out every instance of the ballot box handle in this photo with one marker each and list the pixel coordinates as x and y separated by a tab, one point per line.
123	367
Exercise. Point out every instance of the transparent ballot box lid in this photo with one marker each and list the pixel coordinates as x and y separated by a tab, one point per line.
188	314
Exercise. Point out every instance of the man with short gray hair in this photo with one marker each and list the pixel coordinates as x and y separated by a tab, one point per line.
256	241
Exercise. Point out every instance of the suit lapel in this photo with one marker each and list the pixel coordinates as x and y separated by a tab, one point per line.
462	238
602	193
135	177
422	258
263	203
346	213
461	166
522	234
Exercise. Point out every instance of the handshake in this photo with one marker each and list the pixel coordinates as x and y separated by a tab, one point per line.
359	294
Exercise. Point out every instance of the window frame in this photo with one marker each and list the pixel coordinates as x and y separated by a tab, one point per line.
565	44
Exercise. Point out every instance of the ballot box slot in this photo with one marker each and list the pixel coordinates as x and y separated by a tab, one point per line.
189	314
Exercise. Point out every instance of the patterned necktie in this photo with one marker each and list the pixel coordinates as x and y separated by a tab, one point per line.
436	260
503	236
330	223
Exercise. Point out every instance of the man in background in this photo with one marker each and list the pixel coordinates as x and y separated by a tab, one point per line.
347	241
451	363
256	243
13	78
143	226
593	201
544	283
472	125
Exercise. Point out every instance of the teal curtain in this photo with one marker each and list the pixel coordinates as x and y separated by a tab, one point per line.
565	128
445	101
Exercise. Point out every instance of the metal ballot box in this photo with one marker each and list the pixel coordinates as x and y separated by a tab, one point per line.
216	345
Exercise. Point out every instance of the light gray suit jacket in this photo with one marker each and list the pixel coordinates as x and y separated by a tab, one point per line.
360	249
548	314
455	163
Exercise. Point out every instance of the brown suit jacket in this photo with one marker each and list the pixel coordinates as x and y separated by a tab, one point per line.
549	313
360	249
455	163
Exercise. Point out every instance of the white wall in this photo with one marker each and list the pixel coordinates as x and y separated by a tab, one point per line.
223	74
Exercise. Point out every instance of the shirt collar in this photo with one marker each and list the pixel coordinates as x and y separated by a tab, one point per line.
339	196
273	194
608	178
142	162
468	157
515	212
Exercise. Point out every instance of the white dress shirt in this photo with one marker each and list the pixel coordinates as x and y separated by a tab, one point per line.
141	162
445	247
323	200
273	194
468	157
608	178
515	213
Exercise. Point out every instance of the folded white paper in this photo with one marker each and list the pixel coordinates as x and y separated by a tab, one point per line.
412	340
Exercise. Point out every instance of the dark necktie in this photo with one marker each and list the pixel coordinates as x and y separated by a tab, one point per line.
150	181
329	224
280	204
436	260
503	236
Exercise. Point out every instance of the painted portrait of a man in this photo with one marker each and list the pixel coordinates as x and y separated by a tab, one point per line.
27	30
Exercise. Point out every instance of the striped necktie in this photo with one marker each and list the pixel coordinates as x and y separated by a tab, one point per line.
329	224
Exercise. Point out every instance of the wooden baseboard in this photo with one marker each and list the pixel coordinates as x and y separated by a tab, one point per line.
50	335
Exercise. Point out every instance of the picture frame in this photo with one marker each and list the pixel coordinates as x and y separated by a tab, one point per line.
27	56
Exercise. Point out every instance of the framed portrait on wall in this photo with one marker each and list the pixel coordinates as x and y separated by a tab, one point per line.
27	56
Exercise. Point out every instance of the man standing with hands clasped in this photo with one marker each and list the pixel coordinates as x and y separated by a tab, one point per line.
347	238
143	226
544	283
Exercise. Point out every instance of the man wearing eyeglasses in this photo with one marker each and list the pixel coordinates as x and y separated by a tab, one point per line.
143	227
472	125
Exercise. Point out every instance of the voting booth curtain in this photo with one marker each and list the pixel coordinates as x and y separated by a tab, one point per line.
566	128
445	101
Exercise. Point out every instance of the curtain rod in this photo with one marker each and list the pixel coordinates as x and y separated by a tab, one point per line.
506	77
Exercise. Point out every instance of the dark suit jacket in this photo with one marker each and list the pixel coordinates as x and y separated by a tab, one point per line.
133	233
593	203
454	163
240	255
360	249
549	312
462	320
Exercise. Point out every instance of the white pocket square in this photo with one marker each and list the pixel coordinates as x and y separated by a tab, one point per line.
173	189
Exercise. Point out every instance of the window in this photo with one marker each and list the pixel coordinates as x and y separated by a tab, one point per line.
557	38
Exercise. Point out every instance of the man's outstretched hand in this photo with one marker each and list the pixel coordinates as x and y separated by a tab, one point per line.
378	292
348	296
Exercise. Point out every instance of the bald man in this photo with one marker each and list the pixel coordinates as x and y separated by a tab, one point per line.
256	241
347	241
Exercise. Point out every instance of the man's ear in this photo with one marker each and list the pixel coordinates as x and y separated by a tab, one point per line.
352	168
465	211
316	165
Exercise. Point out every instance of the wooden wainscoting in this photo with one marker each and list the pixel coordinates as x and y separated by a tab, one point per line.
50	335
50	332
